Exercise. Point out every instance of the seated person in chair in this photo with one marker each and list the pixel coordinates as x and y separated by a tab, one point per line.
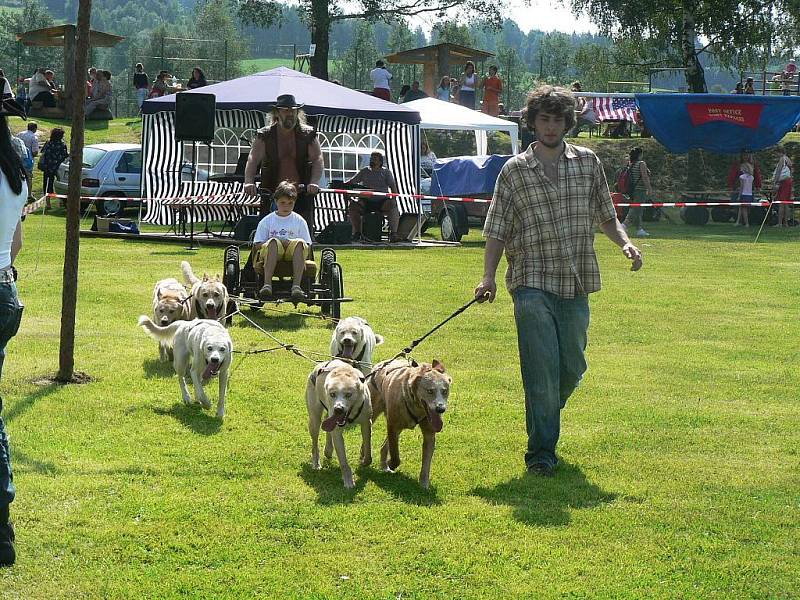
380	179
282	235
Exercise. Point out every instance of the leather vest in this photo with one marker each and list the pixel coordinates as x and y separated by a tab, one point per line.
271	165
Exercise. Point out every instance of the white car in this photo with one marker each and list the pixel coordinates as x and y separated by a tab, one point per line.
112	170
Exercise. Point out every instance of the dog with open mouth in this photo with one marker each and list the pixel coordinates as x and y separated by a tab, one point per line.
170	304
338	389
355	340
202	349
209	296
409	395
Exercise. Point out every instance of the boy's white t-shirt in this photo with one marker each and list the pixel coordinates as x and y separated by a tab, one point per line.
746	181
290	227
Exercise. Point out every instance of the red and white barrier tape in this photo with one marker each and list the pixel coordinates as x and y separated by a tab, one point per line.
368	193
34	206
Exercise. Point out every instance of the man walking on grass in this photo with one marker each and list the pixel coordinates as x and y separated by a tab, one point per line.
546	203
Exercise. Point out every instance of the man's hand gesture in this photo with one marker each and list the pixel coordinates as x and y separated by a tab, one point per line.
633	254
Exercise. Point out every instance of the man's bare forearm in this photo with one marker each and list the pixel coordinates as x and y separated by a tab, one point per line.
491	257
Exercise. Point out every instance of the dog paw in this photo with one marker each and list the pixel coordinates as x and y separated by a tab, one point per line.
315	464
366	461
205	402
221	415
328	453
187	400
348	482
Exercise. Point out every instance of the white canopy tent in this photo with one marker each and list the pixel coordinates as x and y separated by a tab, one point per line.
437	114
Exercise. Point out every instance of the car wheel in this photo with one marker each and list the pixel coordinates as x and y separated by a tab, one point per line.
109	207
453	222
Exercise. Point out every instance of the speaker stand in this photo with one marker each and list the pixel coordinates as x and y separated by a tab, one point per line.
192	245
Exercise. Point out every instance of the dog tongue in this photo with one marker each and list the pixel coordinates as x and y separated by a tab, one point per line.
435	420
329	424
211	370
212	312
347	351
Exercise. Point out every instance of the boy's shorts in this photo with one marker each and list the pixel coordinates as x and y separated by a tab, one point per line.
284	253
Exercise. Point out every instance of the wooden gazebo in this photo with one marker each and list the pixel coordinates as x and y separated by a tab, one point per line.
437	61
64	35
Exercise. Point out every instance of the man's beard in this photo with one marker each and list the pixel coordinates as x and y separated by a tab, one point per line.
553	145
287	122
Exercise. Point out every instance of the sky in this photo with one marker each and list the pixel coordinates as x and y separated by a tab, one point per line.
546	15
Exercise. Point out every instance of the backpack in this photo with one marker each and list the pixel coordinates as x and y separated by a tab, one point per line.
624	185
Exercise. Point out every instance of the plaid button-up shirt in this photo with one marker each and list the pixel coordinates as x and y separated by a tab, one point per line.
548	227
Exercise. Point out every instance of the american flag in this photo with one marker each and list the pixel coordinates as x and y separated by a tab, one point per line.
609	108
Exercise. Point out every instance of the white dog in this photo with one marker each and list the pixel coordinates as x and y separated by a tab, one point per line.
170	304
354	339
209	295
201	347
339	389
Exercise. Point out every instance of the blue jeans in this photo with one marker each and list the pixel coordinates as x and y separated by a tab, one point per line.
552	335
10	316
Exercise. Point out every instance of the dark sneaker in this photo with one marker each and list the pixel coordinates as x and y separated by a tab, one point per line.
265	293
541	470
297	293
7	554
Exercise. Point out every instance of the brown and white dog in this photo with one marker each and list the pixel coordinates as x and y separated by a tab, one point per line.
409	395
209	296
169	305
338	389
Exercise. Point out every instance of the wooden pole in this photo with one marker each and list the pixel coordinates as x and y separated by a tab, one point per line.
69	293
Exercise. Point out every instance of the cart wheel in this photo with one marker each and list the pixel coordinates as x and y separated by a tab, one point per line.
337	291
453	222
721	214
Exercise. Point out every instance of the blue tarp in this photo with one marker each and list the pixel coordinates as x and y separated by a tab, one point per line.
259	92
725	123
465	175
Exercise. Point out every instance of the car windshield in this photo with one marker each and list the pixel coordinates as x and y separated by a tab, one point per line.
92	156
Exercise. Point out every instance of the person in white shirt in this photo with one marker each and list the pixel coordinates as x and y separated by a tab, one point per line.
381	77
30	137
282	235
745	193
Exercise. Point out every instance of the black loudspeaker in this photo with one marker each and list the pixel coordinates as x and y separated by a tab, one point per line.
194	117
245	227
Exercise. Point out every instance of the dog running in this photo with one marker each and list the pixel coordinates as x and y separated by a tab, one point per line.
202	349
409	395
170	304
209	296
355	340
338	389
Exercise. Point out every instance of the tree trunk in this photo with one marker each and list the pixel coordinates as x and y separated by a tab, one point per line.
320	31
695	77
69	294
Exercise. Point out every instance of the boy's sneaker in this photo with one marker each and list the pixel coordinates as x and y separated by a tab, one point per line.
265	293
297	293
642	233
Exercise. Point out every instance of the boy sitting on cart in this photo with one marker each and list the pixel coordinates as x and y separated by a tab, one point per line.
282	235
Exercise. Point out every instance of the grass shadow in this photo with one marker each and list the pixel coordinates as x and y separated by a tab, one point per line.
155	369
547	501
18	457
404	488
270	320
327	482
193	417
96	124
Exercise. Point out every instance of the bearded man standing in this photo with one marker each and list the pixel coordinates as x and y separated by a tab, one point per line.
286	150
546	204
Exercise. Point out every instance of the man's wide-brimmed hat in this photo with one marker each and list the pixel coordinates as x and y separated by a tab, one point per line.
287	101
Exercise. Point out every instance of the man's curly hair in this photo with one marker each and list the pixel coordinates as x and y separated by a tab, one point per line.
552	100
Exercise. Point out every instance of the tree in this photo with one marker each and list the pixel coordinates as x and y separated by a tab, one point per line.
556	56
725	26
322	14
357	61
32	16
447	31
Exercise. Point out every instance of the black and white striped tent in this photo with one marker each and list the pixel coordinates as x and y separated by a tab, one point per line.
350	125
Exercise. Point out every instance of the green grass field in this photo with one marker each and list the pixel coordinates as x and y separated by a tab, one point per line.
679	450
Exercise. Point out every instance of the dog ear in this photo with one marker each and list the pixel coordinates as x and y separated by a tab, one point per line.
158	293
438	366
205	276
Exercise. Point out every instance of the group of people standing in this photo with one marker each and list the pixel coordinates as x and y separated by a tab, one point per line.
462	90
161	84
744	180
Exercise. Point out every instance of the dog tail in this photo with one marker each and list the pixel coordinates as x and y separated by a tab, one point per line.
188	274
162	334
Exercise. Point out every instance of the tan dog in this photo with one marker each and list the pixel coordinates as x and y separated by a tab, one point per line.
339	389
410	395
169	305
209	296
354	339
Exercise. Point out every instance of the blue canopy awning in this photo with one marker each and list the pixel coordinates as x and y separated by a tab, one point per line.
259	92
725	123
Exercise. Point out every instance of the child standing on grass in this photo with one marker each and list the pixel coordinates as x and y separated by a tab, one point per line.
745	193
282	235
